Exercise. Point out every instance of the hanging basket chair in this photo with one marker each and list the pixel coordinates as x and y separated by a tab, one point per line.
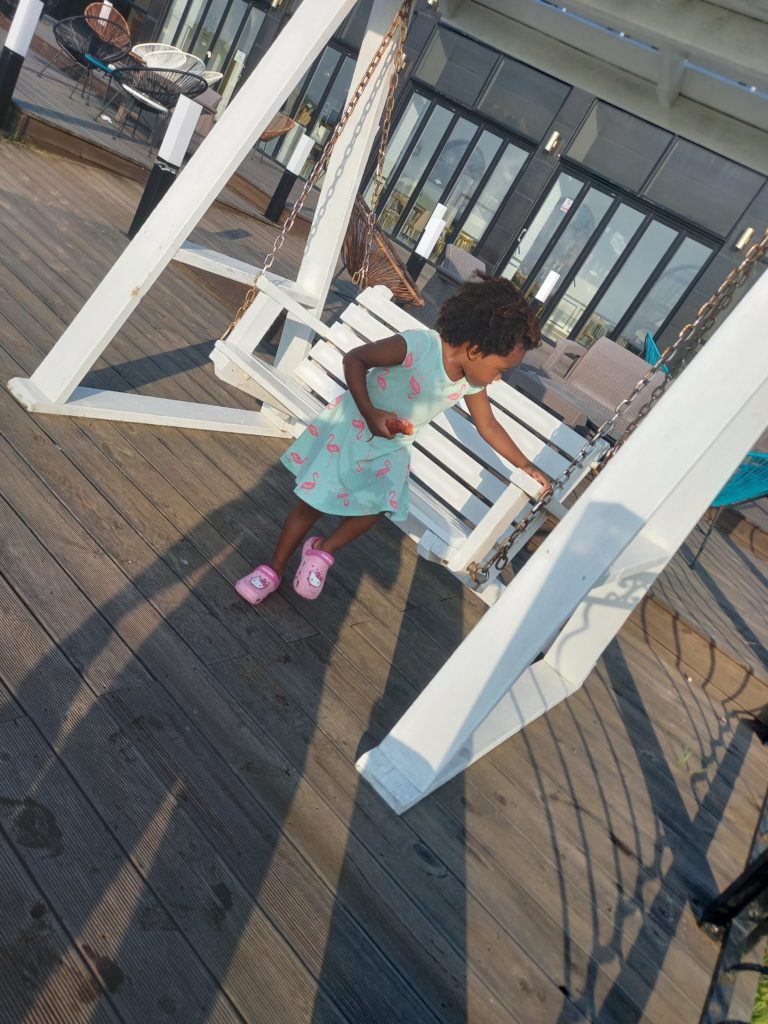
280	124
385	266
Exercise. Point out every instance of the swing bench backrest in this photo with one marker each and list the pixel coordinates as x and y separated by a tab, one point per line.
464	497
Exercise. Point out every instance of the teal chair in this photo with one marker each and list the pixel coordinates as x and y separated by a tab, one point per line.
748	483
652	355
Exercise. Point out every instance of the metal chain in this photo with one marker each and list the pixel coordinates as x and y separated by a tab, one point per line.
705	318
400	19
360	276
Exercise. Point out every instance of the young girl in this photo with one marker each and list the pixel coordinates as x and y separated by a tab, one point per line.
349	462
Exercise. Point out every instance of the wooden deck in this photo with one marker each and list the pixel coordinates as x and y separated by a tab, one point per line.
182	832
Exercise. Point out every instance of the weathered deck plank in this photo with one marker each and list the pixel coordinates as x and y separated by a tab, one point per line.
552	881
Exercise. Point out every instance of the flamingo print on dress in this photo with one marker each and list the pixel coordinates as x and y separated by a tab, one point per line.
408	361
381	380
358	467
415	389
334	402
297	459
359	427
313	430
384	469
392	501
343	497
457	394
332	448
309	485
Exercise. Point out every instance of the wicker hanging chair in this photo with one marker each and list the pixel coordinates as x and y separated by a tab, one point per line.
280	124
385	266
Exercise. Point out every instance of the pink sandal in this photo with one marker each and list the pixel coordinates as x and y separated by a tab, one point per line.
310	576
258	584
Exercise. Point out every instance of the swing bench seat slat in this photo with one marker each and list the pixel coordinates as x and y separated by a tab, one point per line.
463	496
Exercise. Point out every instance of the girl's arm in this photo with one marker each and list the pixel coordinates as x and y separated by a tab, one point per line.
387	352
489	428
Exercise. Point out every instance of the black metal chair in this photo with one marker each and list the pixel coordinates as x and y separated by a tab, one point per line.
154	91
92	44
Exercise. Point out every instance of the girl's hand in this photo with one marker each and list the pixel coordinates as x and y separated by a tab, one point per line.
377	423
542	478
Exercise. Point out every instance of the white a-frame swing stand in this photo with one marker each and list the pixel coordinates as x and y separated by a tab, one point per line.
54	387
575	593
578	589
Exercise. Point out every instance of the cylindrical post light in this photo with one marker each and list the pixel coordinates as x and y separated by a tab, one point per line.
293	168
169	159
15	50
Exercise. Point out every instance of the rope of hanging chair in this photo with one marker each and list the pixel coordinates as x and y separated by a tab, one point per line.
384	266
280	124
696	331
399	26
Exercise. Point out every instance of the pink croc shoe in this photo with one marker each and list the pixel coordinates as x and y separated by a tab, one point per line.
258	584
310	576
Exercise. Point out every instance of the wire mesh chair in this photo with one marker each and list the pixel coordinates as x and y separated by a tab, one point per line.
153	91
385	266
91	44
748	483
163	55
103	12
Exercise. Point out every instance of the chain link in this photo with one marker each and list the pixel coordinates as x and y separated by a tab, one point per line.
695	331
400	22
360	276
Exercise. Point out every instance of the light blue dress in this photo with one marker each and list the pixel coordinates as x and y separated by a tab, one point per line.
341	469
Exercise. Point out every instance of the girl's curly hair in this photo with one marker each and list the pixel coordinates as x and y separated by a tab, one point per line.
491	313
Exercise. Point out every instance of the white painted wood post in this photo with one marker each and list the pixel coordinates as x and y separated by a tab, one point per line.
341	185
220	154
591	571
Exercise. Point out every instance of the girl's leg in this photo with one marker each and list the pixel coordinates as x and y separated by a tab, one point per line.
351	529
298	523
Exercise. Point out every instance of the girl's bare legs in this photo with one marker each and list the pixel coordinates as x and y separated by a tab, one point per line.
300	521
351	529
297	525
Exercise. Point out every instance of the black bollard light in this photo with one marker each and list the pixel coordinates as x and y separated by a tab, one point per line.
15	50
170	157
295	163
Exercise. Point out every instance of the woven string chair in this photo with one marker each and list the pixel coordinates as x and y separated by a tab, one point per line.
385	266
280	124
154	90
91	44
102	12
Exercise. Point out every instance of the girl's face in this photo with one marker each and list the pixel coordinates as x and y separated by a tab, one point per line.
481	370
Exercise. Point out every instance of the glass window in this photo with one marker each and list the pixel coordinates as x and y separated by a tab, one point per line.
441	172
464	188
703	187
490	199
629	282
423	152
400	139
610	245
522	98
618	146
545	223
665	293
456	66
569	247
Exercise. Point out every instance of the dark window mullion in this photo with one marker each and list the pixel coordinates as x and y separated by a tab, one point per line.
611	277
200	23
222	19
459	224
326	92
568	279
665	323
236	39
425	174
585	186
648	284
182	22
404	156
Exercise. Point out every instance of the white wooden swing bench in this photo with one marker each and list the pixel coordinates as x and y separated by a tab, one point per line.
464	497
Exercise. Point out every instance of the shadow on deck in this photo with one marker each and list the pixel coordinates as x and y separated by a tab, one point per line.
182	831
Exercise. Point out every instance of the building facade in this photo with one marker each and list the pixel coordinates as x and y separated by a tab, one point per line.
615	213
